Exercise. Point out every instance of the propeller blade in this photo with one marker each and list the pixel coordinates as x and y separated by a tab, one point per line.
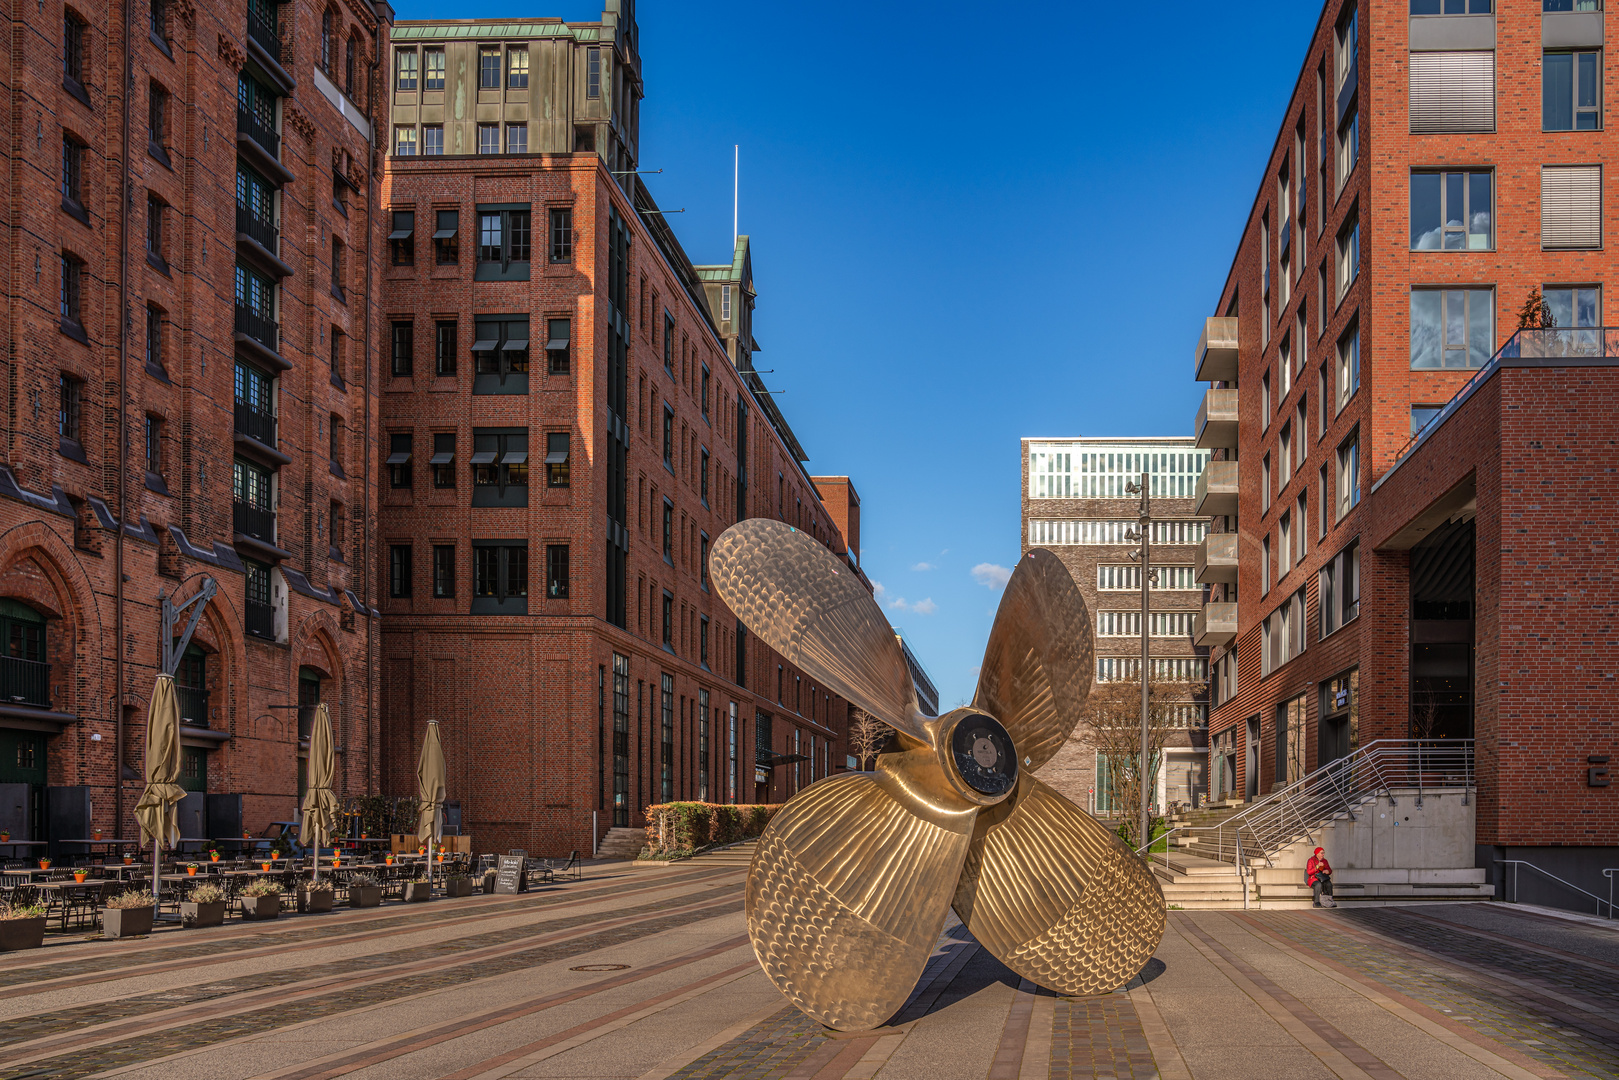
1056	897
800	600
846	897
1038	665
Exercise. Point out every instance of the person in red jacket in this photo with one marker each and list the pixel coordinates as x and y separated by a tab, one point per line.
1318	875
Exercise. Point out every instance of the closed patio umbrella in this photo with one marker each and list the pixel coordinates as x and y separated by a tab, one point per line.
320	803
430	786
158	808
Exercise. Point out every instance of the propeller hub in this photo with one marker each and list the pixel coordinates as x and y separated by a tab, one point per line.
983	756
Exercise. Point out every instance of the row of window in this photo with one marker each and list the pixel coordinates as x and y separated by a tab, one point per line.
426	72
1057	471
1128	577
1164	669
500	463
428	140
1128	623
504	236
500	571
500	350
1284	632
1064	532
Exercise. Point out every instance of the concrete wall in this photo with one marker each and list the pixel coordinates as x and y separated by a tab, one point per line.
1404	837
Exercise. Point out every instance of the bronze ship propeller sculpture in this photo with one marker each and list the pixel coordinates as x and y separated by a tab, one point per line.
852	880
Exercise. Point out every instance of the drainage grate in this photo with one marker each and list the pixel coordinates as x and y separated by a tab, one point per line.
600	967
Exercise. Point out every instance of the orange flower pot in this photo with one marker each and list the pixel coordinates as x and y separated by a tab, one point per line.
96	835
213	856
79	876
191	871
264	866
389	859
129	860
44	864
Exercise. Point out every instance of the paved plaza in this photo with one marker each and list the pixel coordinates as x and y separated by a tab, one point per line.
648	974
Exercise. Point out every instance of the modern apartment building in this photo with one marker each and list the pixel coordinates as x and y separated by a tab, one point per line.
571	416
1075	504
1400	486
191	214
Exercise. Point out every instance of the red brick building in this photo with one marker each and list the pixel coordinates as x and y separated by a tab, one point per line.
189	399
1431	172
571	416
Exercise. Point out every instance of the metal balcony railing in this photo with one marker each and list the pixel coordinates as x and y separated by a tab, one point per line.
262	329
193	702
25	682
262	231
265	136
261	27
255	424
260	620
254	522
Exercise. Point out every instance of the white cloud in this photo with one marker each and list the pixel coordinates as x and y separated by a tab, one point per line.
991	576
924	566
918	607
877	591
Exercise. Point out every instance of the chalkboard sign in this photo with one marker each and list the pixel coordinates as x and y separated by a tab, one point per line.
512	874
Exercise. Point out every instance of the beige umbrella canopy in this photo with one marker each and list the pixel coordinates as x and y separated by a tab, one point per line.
430	787
157	810
320	803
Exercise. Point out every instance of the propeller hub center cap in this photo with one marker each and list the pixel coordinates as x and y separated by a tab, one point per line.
983	754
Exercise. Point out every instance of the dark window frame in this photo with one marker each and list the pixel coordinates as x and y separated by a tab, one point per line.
399	571
401	473
446	339
443	571
443	460
556	571
402	341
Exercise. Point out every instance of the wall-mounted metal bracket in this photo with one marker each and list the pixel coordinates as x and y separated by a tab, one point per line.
174	649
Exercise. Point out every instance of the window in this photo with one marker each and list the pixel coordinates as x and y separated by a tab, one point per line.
155	229
1284	457
725	303
339	266
1282	634
488	138
72	286
446	246
1457	7
1574	306
335	432
593	73
668	343
255	403
443	459
561	234
517	67
1340	589
489	67
444	345
1125	578
1348	475
668	621
1302	426
351	65
1423	415
432	140
499	577
399	467
1570	207
154	339
503	236
443	571
1284	544
1452	211
154	445
1348	365
516	138
1571	91
669	441
73	48
1264	566
337	357
1264	402
1452	91
405	140
1348	147
556	571
558	333
556	459
1346	39
327	32
157	120
702	477
433	69
1301	529
398	568
1264	484
1451	328
1348	255
500	356
702	658
406	69
404	350
702	558
402	239
499	467
704	395
668	531
73	172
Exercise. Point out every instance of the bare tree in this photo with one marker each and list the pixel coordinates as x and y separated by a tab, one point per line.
1536	313
867	737
1111	725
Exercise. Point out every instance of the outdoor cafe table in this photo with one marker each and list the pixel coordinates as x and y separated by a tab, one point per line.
28	873
15	845
107	848
71	891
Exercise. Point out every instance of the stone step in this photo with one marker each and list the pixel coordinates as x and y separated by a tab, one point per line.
621	843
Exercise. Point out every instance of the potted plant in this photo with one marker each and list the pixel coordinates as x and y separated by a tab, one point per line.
5	836
313	897
191	869
265	866
457	885
95	834
44	864
80	875
364	891
129	860
205	907
213	856
388	859
128	914
22	926
416	891
261	900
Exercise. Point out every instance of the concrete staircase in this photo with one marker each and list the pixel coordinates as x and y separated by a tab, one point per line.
621	844
739	855
1195	884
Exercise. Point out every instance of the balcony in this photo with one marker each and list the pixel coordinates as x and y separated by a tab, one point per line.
1216	559
262	29
255	424
1217	350
254	522
261	620
1216	494
25	682
1216	425
262	329
1216	624
193	702
259	239
249	125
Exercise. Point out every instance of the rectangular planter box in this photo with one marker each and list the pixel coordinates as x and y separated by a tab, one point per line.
458	887
312	901
365	896
21	934
416	891
210	914
126	922
261	907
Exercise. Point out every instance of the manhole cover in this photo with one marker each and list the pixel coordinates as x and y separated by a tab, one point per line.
600	967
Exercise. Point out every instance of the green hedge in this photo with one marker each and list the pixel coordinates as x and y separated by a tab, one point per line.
681	829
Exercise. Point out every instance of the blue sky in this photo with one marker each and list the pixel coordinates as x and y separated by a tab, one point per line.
971	224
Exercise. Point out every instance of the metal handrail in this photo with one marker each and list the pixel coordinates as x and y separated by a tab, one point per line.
1608	873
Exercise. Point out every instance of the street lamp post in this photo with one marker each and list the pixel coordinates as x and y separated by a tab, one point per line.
1144	553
